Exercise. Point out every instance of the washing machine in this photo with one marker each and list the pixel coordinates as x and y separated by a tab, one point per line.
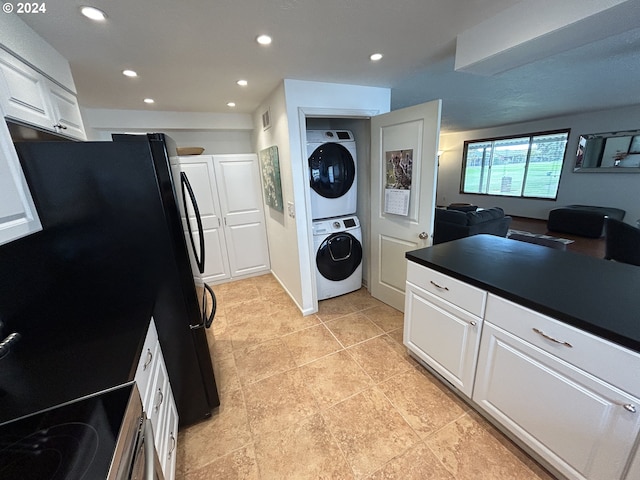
338	256
332	173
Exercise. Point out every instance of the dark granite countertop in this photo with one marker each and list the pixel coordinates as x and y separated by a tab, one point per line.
595	295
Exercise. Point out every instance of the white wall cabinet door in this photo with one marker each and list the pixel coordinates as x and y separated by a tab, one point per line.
28	96
240	192
583	426
634	467
201	175
18	216
66	112
24	93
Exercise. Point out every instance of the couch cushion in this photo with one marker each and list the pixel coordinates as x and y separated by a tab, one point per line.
473	218
451	216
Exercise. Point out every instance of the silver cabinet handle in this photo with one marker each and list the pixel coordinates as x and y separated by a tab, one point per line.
149	359
173	445
629	407
548	337
473	323
161	400
423	235
439	286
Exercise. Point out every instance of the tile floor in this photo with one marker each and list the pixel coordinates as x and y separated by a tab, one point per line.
332	396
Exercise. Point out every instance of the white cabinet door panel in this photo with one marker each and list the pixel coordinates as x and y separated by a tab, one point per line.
249	253
66	112
216	263
443	335
18	216
582	425
202	179
240	191
24	92
169	453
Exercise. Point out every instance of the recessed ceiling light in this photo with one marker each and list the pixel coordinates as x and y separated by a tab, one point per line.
129	73
231	104
375	57
264	39
242	83
149	100
93	13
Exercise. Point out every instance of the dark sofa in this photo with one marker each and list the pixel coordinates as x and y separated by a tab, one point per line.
454	224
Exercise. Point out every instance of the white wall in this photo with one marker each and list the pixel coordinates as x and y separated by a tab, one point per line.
603	189
217	133
290	106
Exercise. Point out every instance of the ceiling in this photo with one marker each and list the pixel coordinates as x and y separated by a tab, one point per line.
190	53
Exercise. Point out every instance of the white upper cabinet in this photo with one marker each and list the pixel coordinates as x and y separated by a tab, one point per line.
28	96
66	112
18	216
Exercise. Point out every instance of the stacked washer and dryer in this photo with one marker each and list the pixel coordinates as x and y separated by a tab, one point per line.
336	229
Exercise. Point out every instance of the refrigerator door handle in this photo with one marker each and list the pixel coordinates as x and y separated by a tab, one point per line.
214	306
186	188
206	322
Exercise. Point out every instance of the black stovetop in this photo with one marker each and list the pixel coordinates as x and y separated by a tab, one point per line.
72	441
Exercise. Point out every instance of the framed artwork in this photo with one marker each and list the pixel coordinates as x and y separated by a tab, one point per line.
272	185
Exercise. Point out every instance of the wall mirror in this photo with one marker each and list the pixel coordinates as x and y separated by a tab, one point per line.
609	152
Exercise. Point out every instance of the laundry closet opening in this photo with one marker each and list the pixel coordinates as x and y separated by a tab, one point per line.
356	143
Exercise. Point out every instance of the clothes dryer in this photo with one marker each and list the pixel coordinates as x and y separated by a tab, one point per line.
332	173
338	256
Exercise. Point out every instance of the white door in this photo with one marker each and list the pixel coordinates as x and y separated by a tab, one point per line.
240	191
412	135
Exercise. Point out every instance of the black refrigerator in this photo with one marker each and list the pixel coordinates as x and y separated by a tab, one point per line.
80	293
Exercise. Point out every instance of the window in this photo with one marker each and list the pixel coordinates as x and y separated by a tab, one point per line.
519	166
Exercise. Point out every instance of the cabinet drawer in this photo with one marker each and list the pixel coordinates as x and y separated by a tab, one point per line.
147	357
158	397
463	295
601	358
168	449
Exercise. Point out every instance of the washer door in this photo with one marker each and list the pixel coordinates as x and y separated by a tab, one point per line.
332	170
338	256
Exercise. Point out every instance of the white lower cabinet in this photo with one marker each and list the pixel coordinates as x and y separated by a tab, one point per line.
571	397
157	400
439	329
584	426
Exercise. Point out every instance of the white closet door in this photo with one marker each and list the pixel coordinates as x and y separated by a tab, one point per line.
200	172
240	192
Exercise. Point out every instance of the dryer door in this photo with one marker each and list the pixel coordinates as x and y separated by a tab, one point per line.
331	170
338	256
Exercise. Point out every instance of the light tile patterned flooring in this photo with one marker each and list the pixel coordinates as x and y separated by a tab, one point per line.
332	396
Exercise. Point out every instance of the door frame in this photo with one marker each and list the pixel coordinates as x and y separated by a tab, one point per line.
304	223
